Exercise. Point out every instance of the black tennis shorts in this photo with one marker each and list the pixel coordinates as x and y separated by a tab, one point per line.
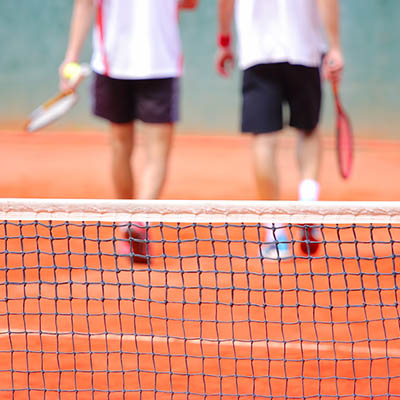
267	87
126	100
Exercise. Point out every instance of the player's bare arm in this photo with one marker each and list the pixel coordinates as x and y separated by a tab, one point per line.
188	4
333	62
81	22
225	57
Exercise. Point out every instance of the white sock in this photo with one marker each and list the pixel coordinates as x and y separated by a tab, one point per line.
308	190
275	232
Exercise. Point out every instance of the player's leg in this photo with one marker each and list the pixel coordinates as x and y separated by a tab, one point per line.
267	183
157	140
309	153
265	165
262	117
121	140
133	235
303	88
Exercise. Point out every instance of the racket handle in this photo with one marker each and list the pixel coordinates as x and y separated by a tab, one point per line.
335	90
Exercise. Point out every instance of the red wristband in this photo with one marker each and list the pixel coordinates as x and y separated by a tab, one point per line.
224	40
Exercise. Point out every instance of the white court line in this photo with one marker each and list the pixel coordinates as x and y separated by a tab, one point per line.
354	349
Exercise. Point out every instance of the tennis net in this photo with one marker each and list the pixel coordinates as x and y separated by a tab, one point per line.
204	312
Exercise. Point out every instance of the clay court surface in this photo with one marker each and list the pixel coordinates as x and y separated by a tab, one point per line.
211	338
76	165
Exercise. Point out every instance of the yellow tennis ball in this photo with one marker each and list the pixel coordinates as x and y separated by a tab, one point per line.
72	70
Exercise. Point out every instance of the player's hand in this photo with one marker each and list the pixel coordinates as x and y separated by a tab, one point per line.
333	65
65	83
224	61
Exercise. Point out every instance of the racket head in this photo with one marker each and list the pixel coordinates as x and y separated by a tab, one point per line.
52	110
344	143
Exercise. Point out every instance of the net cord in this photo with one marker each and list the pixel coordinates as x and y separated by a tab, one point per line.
201	211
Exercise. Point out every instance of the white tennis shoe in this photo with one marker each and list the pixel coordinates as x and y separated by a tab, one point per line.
276	251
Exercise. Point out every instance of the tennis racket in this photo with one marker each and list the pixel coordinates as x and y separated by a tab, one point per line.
57	106
344	136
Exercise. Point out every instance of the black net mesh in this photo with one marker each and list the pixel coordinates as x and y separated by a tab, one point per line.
199	311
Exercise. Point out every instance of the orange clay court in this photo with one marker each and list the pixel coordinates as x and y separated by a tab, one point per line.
209	319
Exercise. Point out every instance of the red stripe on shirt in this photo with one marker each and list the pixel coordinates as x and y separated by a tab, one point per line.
100	27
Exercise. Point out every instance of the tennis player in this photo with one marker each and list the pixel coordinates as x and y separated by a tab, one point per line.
282	45
137	63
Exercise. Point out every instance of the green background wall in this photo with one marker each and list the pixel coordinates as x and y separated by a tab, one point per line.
33	35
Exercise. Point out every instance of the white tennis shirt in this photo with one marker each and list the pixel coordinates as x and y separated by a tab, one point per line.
137	39
272	31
